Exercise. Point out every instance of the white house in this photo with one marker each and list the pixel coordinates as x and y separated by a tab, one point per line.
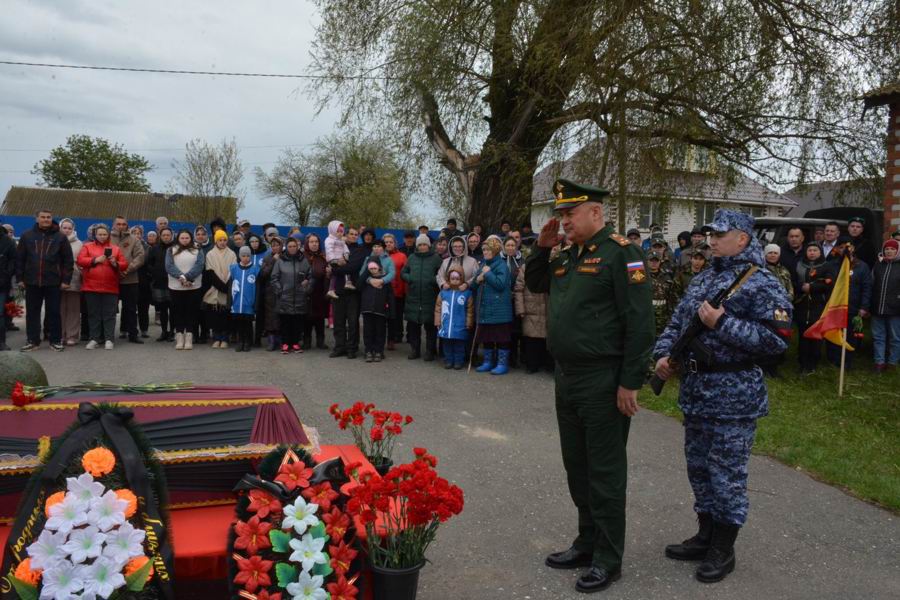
676	189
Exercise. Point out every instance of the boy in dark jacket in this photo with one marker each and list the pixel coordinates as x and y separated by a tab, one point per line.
375	298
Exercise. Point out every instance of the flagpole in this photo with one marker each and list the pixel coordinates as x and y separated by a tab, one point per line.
843	362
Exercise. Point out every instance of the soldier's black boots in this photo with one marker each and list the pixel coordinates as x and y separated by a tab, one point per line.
719	561
596	579
568	559
694	548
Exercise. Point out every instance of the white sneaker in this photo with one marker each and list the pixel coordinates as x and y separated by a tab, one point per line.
332	294
349	286
109	345
91	345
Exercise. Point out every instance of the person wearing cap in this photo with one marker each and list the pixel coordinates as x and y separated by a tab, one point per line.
600	331
697	238
721	400
659	246
662	290
420	275
684	275
244	226
654	230
243	279
634	236
423	230
863	248
217	273
529	237
409	242
451	230
886	307
859	298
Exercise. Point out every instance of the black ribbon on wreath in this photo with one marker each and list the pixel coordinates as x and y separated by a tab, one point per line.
93	423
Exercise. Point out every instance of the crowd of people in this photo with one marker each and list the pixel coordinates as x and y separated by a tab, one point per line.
236	288
808	270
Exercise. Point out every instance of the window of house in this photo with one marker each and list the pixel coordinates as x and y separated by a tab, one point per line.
651	212
754	211
703	213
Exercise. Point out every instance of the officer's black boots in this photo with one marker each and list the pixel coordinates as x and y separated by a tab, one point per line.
719	561
694	548
568	559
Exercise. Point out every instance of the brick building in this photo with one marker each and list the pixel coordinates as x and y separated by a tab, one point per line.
889	95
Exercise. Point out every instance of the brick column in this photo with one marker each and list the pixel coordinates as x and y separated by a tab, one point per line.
892	173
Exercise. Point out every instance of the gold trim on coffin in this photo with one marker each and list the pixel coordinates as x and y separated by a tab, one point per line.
168	457
154	404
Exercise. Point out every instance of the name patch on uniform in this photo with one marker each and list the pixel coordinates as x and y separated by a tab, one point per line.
636	272
593	270
781	315
593	261
560	272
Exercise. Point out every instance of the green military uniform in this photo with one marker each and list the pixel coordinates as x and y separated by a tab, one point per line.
784	277
600	331
662	298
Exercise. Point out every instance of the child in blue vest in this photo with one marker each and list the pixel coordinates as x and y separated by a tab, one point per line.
243	298
454	316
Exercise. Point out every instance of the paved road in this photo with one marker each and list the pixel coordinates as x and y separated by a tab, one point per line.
496	437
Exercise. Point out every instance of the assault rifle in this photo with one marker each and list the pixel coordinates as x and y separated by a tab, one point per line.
688	340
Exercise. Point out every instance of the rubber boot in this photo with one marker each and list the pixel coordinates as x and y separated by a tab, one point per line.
489	362
502	367
694	548
188	341
179	341
720	559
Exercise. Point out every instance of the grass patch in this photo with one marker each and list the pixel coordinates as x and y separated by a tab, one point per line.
852	442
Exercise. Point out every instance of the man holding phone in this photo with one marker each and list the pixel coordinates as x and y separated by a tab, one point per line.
133	252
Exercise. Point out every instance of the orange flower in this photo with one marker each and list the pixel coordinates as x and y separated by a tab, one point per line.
129	497
53	499
135	564
25	574
99	461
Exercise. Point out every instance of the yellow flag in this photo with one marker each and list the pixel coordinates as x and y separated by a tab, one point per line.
833	322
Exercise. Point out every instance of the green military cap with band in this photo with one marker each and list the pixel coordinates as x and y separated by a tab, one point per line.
570	195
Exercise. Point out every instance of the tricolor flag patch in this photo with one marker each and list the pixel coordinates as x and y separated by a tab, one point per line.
636	272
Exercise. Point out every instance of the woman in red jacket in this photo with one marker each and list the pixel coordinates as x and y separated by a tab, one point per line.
101	263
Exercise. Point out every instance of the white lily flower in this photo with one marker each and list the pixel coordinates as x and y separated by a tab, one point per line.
66	515
300	515
308	551
84	488
47	550
84	544
107	511
102	577
124	543
307	588
62	581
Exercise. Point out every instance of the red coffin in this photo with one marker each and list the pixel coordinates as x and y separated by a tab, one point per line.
206	438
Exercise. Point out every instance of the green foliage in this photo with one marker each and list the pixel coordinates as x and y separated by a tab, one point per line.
850	442
87	163
24	590
286	574
137	580
280	540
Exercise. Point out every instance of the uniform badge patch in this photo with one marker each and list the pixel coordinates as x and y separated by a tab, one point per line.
593	261
781	315
636	271
593	270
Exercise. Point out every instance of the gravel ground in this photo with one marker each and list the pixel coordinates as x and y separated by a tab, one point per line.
496	437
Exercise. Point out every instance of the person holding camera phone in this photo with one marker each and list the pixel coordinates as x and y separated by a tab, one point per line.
101	264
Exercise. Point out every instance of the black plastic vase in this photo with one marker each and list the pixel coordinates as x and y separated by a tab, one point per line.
395	584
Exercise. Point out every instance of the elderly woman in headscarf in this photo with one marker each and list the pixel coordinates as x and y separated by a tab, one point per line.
70	302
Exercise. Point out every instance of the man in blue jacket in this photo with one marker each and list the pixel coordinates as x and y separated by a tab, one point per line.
44	265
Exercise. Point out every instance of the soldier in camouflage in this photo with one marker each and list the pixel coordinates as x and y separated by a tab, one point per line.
721	401
698	261
662	295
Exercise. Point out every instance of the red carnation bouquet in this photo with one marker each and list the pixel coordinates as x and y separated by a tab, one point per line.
12	310
402	510
377	440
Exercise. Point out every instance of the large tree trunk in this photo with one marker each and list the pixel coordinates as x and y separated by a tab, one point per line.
502	187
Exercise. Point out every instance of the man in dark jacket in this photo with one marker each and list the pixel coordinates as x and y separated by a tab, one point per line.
7	270
864	249
346	306
43	268
793	252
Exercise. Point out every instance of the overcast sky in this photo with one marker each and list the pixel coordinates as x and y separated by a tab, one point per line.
155	114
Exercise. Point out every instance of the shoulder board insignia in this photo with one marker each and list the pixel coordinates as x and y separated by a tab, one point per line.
619	239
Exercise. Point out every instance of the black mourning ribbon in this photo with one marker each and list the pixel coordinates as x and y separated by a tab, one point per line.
94	423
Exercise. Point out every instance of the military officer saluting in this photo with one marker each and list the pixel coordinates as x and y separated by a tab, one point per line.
722	399
600	330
